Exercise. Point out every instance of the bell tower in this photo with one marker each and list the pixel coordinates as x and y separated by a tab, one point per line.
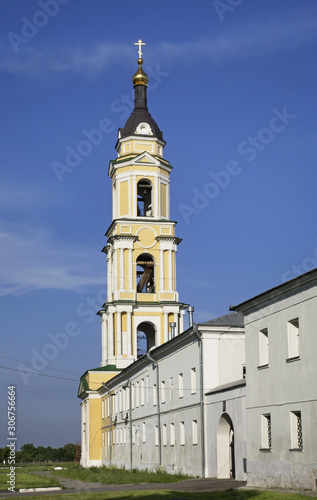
142	299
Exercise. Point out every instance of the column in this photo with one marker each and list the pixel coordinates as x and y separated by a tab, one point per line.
119	348
110	334
166	326
181	322
114	271
176	319
161	270
130	272
121	268
129	333
156	196
170	271
109	273
134	197
104	324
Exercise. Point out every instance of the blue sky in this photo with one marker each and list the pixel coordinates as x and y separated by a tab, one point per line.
232	86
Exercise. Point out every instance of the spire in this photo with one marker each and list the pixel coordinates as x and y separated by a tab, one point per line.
140	114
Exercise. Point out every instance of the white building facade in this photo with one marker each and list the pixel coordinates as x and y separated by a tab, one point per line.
281	353
154	414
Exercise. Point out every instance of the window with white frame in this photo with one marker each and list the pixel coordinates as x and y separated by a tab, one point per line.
147	388
171	389
182	433
293	338
180	385
164	434
156	435
137	394
142	392
194	432
172	434
296	430
266	432
133	434
102	408
193	380
143	432
132	396
154	395
264	347
163	391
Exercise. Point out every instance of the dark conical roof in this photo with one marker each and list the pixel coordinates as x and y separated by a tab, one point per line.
140	114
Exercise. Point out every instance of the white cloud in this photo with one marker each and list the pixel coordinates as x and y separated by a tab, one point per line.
248	40
33	260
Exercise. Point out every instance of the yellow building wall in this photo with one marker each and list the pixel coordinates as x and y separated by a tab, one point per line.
163	200
95	429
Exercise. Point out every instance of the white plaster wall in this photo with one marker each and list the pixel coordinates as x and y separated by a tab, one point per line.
280	388
236	409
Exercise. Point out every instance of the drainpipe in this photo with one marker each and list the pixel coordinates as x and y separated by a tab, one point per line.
148	355
190	310
125	386
202	416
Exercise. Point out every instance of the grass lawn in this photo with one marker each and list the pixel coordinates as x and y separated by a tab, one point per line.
175	495
25	480
112	475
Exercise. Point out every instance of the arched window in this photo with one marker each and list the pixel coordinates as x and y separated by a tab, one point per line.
145	338
145	273
144	198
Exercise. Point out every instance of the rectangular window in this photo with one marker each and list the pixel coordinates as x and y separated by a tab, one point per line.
154	395
119	401
132	396
172	435
137	394
293	338
143	432
156	435
142	392
164	434
171	389
180	385
163	391
124	435
133	434
264	347
296	430
182	433
266	432
147	388
193	380
194	431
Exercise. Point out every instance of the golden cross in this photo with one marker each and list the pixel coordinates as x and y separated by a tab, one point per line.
140	43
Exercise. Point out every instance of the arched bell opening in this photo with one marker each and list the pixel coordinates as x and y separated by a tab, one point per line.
145	273
144	192
145	338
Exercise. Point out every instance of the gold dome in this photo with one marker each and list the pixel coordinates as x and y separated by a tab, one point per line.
140	77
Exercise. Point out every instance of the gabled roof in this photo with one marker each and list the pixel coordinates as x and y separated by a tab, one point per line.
230	319
290	286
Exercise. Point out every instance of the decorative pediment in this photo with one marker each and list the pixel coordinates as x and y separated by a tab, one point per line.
145	159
